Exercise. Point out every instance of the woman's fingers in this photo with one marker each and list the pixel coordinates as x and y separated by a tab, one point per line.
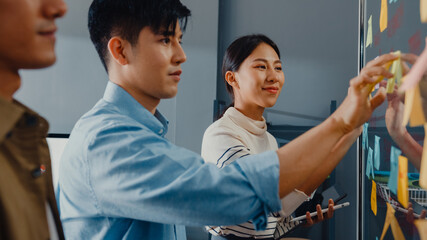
409	58
309	219
382	60
379	98
370	75
319	212
331	204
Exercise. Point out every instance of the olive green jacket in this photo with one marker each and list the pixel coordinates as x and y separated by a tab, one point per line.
25	175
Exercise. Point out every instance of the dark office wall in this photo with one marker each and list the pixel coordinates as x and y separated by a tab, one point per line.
194	102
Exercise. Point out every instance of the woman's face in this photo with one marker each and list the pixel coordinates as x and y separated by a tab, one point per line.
259	79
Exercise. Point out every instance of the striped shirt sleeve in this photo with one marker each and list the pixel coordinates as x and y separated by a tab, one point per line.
222	147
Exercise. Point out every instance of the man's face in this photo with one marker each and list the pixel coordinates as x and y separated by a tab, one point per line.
155	65
28	32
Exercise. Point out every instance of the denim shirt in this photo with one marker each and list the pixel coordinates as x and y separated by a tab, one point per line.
120	178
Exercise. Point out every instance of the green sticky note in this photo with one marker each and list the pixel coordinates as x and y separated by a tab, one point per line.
394	169
365	136
377	153
369	165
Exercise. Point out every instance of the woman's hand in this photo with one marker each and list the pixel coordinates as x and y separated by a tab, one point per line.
357	107
410	215
394	116
320	216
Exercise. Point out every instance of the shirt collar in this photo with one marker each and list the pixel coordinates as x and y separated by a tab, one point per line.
11	113
129	106
250	125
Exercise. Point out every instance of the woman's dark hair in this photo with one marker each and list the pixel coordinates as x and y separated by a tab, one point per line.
238	51
126	19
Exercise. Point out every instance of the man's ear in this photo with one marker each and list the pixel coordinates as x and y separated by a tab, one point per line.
230	77
117	49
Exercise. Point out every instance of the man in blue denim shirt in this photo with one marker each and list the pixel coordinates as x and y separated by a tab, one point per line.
121	179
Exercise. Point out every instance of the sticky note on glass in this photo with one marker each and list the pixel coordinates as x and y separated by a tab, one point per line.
377	153
395	229
369	165
374	198
390	220
423	11
409	102
394	70
394	169
380	78
365	136
369	34
417	114
423	168
402	187
383	15
398	73
421	225
413	112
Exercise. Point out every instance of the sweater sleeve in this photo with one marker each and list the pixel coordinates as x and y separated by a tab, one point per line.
222	146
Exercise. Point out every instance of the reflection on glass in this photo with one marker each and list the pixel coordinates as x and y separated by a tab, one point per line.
387	177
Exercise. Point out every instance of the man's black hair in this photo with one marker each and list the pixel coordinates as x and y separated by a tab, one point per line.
126	19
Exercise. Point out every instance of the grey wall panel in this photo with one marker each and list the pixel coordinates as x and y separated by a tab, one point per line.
196	91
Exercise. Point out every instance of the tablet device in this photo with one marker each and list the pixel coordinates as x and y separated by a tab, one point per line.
313	214
335	193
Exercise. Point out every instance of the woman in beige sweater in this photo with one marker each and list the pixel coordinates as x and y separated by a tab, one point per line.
254	78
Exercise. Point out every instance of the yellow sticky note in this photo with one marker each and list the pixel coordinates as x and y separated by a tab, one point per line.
421	225
423	11
413	112
380	78
383	15
390	81
390	220
396	230
395	71
423	168
398	74
409	101
417	115
369	34
402	183
374	198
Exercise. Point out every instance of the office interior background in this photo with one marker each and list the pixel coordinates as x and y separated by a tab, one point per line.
318	41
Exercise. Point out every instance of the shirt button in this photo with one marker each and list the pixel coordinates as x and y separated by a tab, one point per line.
9	134
31	121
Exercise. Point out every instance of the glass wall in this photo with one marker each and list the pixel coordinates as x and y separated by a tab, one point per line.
390	26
